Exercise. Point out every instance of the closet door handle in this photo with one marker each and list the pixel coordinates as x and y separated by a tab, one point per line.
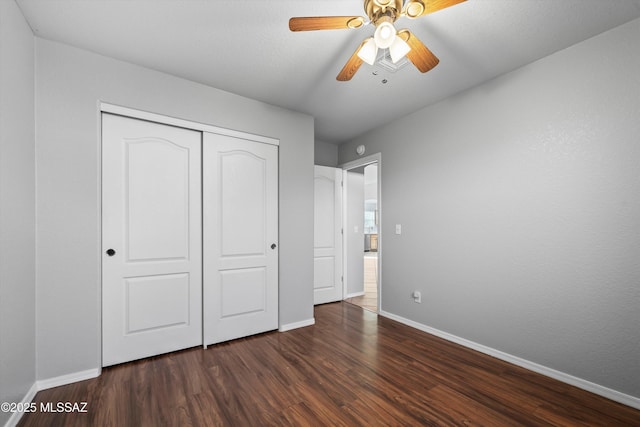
273	246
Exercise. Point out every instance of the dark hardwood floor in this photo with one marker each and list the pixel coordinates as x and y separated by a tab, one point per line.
352	368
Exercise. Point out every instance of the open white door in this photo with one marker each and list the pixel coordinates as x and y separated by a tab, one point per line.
151	234
240	213
327	235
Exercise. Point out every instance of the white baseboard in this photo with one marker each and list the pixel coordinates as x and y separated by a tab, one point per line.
296	325
50	383
28	398
614	395
68	379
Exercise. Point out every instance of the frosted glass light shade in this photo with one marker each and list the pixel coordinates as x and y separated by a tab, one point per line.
369	52
398	49
384	35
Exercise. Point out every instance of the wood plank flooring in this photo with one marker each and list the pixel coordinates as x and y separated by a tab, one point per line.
352	368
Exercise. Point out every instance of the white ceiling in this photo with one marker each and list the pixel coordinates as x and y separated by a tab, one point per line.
245	47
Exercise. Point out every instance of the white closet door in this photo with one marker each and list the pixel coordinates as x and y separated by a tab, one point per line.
152	248
240	208
327	235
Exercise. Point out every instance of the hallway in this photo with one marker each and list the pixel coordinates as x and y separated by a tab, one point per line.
369	300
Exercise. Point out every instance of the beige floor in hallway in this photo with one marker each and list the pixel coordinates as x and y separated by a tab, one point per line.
369	300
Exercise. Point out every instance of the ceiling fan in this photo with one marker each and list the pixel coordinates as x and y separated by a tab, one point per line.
382	13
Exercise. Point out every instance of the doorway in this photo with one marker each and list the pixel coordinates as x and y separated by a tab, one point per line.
363	237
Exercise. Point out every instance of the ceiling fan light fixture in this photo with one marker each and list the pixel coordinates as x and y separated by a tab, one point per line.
398	49
385	35
369	51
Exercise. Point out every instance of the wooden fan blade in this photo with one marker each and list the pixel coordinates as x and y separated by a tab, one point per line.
419	55
436	5
352	65
417	8
311	23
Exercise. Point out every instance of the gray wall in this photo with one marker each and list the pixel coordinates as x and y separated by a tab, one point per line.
17	207
69	84
325	154
520	206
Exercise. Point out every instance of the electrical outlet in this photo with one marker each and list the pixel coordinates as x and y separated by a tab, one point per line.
417	297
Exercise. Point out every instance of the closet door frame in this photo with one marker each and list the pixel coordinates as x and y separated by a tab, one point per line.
187	124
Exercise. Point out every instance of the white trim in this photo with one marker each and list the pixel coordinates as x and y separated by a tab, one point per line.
344	202
345	246
614	395
14	419
296	325
99	255
187	124
68	379
51	383
363	161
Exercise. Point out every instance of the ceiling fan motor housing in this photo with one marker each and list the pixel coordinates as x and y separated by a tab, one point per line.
380	11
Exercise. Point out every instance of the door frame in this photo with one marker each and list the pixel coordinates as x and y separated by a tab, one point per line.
364	161
187	124
105	107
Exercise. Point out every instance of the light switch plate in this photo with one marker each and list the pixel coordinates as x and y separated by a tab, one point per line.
398	229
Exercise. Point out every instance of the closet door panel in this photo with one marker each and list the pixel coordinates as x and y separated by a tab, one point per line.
240	217
151	234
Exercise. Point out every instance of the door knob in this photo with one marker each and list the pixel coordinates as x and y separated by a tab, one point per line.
273	246
111	252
